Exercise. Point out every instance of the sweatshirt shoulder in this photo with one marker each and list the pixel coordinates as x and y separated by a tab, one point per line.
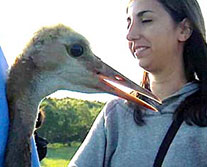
116	106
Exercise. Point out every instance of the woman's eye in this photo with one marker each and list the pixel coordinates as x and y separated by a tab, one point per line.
146	21
75	50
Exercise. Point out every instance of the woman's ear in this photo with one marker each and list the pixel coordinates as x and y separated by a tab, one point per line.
185	30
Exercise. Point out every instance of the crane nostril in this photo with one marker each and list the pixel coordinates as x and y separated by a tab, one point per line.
119	78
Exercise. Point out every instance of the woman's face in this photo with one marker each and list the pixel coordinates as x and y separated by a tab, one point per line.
153	36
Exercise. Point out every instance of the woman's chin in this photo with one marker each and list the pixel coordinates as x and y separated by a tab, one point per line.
146	65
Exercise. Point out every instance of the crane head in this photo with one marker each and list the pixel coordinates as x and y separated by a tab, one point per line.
63	60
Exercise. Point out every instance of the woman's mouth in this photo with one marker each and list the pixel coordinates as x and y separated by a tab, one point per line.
140	51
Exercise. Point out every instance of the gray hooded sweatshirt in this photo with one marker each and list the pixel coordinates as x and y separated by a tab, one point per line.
115	140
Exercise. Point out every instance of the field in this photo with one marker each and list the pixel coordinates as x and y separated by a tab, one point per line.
59	155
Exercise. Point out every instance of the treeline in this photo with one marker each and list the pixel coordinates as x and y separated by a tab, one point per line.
68	119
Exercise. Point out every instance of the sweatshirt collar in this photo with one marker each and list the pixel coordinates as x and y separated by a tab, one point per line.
170	103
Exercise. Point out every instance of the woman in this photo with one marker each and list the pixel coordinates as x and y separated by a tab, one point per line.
168	39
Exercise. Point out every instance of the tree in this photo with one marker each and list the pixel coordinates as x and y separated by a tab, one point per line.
68	119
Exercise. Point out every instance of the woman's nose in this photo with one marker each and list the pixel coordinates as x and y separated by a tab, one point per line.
129	35
133	33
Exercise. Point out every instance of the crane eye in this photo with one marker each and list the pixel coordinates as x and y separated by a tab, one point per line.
75	50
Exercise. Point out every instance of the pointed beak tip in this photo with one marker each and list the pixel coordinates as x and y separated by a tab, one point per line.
118	92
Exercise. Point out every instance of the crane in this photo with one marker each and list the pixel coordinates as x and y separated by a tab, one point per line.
56	58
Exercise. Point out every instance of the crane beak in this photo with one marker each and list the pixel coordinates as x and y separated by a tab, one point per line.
114	81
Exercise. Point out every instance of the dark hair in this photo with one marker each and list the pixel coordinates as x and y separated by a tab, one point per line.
195	53
195	60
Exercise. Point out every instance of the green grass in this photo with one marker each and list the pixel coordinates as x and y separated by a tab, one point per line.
59	155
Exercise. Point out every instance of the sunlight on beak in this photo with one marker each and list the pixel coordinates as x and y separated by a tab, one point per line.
119	89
